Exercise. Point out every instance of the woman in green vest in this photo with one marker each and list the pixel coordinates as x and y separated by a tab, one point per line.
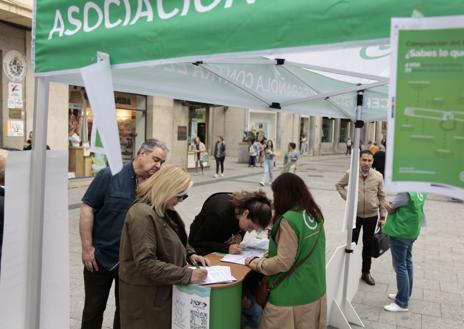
296	260
405	218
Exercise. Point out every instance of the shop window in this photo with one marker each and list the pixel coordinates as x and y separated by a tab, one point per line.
327	130
345	130
131	120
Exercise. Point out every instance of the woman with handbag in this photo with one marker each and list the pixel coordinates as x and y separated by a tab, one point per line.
296	262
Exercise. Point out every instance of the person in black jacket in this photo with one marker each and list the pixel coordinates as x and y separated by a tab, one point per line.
379	161
219	155
224	219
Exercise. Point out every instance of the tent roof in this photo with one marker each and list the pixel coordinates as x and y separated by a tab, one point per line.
207	51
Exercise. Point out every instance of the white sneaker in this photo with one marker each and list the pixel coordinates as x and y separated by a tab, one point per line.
393	307
261	183
222	175
215	175
392	296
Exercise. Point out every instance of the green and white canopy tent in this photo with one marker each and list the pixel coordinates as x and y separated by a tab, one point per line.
302	56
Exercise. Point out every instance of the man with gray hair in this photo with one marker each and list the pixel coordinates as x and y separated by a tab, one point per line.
102	213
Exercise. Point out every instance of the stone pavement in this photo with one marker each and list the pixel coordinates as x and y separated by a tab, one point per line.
438	295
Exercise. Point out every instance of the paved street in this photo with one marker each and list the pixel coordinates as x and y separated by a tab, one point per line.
438	297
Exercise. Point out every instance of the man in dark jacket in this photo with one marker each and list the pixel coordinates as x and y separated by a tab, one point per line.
379	160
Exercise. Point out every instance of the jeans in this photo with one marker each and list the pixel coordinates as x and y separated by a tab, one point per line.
368	224
268	166
401	251
252	161
219	162
97	288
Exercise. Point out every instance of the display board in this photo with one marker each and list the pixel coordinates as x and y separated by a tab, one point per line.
426	119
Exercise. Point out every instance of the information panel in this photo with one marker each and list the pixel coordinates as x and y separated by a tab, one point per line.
425	150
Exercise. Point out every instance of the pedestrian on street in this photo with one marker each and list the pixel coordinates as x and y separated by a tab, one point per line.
371	204
219	155
379	160
104	207
296	261
253	151
200	152
349	144
303	144
290	159
403	225
154	252
261	146
268	162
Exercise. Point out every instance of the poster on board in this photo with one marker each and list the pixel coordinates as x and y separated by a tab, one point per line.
425	150
190	307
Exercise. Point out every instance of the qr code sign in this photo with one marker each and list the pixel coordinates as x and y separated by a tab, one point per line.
198	320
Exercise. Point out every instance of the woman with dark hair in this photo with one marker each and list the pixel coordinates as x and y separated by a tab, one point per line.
297	257
224	219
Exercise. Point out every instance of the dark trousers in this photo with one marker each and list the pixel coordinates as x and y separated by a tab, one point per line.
97	288
219	162
368	224
252	161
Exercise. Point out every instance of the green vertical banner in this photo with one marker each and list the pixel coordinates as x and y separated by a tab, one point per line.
425	150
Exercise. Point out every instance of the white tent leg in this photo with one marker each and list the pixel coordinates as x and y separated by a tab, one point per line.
338	318
36	206
351	204
351	314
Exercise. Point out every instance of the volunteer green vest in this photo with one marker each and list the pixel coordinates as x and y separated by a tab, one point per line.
307	283
405	222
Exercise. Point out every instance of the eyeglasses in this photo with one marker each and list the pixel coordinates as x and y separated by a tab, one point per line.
182	196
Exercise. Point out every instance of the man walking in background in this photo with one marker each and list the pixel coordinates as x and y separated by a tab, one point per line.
102	213
371	201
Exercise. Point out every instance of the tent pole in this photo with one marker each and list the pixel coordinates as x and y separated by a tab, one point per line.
36	204
351	203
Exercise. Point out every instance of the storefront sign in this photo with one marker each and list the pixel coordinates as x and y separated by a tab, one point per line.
125	101
15	128
15	114
426	122
190	307
181	133
15	95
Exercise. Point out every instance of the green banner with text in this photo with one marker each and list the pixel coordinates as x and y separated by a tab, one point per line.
68	33
429	112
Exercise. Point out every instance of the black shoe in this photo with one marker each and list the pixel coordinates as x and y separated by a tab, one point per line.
367	277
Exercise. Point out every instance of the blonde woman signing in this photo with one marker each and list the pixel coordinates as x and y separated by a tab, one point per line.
296	263
154	252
